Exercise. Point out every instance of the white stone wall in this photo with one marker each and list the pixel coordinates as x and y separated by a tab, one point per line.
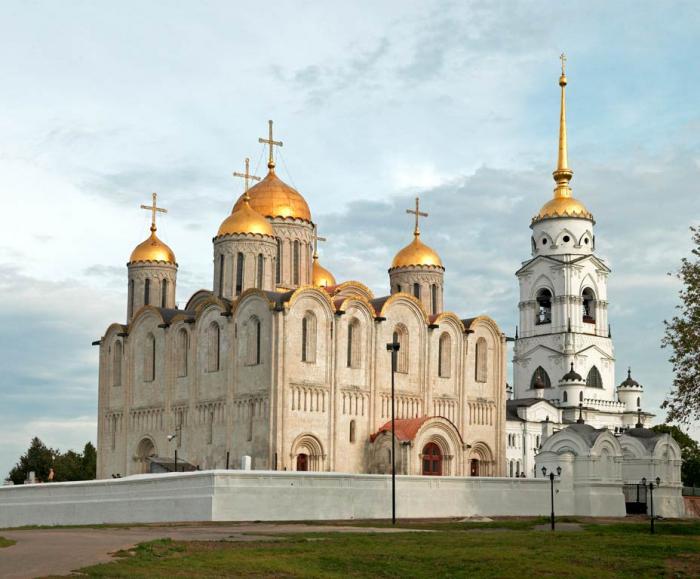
226	250
156	274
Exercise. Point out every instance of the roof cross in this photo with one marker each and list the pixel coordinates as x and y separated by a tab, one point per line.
153	208
271	143
562	57
316	239
246	177
418	213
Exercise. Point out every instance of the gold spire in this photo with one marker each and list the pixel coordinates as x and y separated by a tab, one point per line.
244	219
563	174
321	277
563	204
316	239
246	177
418	213
416	252
271	142
152	249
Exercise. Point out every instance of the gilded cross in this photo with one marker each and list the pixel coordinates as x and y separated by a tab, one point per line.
316	239
246	176
562	57
153	208
271	142
418	213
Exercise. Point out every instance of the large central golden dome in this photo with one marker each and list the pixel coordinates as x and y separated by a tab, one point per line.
152	250
272	197
416	253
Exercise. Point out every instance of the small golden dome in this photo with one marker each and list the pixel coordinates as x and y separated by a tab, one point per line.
152	250
272	197
563	207
321	276
416	253
245	219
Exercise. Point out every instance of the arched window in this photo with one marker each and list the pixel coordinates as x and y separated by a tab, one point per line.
117	364
253	339
308	338
278	262
240	267
416	291
352	431
221	274
588	299
594	379
540	379
296	262
400	336
565	397
544	306
481	367
131	298
444	355
149	359
164	293
639	402
398	288
580	396
261	271
432	460
183	351
213	347
434	298
511	469
146	292
353	350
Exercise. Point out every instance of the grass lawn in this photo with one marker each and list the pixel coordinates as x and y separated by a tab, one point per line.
6	542
498	549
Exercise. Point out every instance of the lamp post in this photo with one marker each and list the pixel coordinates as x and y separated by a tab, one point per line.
171	437
393	347
551	488
651	498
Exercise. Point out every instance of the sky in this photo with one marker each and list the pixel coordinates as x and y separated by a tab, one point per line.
376	102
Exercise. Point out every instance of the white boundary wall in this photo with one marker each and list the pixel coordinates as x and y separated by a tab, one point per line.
222	495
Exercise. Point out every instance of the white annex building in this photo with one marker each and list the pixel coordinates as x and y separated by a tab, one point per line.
280	363
564	360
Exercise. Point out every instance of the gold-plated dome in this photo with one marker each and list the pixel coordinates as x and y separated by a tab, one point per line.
245	219
321	277
416	253
152	250
564	204
272	197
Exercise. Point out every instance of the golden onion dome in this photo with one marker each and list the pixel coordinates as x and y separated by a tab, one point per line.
416	253
563	207
244	219
272	197
321	277
152	250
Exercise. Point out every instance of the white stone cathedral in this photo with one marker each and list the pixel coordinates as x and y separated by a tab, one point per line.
564	361
280	363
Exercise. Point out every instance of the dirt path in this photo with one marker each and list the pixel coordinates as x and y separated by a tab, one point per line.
41	552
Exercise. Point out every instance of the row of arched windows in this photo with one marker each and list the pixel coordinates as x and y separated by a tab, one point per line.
544	299
434	305
540	378
240	272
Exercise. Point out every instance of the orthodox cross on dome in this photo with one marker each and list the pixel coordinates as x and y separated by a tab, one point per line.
418	213
153	208
562	57
246	177
271	142
316	239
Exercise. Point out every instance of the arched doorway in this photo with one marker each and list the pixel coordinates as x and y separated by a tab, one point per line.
432	460
302	462
474	467
144	452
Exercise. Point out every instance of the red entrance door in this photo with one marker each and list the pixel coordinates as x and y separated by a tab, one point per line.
302	462
432	460
475	467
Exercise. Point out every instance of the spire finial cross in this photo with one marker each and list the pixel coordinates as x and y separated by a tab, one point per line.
246	177
562	57
271	143
418	213
316	239
153	208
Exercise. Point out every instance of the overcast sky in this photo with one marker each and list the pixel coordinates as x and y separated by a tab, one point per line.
103	103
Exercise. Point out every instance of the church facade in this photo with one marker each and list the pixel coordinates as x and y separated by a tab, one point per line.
563	358
279	363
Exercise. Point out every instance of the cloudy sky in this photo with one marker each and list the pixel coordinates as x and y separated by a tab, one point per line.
103	103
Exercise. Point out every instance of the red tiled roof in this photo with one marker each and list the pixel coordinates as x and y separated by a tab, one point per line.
406	428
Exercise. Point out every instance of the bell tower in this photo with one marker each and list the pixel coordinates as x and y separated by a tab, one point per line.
563	296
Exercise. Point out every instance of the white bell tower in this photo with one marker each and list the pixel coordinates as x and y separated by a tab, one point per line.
563	299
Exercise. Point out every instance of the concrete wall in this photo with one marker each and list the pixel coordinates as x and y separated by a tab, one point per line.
271	496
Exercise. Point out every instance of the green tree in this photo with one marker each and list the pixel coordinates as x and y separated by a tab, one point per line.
690	453
89	462
682	336
38	458
68	466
